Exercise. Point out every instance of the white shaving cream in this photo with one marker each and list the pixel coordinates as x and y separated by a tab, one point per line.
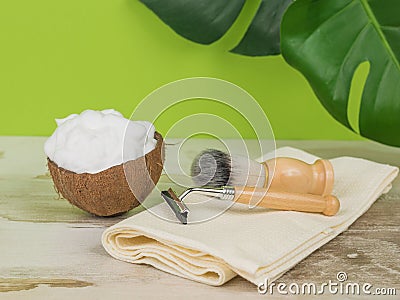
94	141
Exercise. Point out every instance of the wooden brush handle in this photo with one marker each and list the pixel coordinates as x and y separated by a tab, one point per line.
328	205
293	175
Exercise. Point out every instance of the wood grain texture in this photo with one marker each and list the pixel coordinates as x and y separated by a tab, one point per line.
17	284
51	249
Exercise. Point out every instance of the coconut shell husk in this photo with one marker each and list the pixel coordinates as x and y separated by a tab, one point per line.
115	190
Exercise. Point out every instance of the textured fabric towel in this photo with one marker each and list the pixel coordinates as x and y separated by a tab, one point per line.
255	244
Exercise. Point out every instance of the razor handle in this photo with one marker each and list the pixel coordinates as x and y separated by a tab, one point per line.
328	205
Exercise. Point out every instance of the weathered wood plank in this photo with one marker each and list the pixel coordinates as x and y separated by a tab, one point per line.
22	284
48	247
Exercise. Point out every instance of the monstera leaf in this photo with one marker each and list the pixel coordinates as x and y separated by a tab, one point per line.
327	40
206	21
263	35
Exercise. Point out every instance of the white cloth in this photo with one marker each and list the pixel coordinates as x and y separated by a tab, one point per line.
255	244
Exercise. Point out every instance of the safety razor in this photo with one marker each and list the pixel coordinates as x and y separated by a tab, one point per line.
328	205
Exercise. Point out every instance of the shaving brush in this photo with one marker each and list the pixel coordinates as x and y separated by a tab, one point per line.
216	168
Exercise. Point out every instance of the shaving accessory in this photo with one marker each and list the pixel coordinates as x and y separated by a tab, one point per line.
216	168
327	205
177	205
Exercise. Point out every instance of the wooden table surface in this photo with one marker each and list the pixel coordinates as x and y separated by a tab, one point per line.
50	249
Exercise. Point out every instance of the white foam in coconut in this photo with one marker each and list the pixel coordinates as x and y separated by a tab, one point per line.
94	141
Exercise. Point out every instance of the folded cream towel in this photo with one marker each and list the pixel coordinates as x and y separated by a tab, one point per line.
256	244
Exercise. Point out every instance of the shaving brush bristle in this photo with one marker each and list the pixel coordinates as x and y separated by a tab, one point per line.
216	168
211	168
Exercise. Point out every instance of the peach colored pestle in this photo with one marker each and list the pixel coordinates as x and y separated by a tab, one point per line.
296	176
328	205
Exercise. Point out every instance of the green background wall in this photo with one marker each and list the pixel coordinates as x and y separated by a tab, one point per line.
62	57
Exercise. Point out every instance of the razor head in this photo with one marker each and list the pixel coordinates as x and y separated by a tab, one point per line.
177	206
